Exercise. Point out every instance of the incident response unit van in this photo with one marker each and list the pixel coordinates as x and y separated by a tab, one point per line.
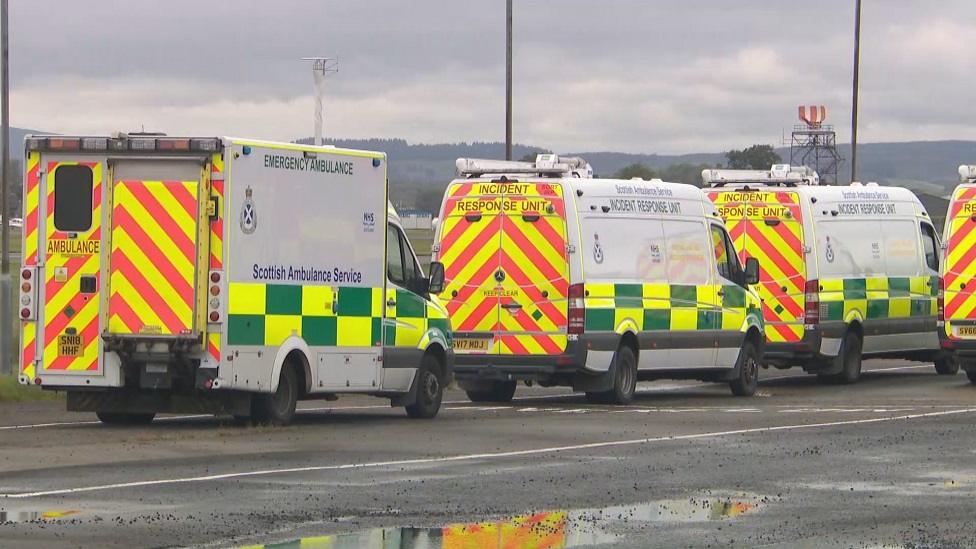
556	278
221	275
958	331
847	271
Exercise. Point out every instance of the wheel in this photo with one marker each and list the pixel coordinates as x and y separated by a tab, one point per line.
277	408
971	374
947	365
849	360
430	390
493	391
122	418
746	371
623	379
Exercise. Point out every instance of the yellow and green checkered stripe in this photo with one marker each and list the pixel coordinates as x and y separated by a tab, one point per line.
415	311
664	306
267	314
879	297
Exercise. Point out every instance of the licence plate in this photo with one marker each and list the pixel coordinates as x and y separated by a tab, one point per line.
472	344
70	345
966	330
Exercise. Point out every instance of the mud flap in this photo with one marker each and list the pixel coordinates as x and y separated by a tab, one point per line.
408	398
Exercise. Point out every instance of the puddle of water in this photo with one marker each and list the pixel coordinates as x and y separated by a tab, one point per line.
33	515
547	530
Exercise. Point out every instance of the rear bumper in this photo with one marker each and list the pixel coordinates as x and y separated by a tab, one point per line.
820	341
534	367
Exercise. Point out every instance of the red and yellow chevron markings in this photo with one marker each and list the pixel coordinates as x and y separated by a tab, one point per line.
65	307
960	303
154	239
521	234
31	195
537	531
768	225
217	225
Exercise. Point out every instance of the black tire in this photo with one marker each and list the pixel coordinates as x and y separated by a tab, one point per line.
277	408
122	418
971	374
947	365
494	391
430	390
623	379
848	360
746	371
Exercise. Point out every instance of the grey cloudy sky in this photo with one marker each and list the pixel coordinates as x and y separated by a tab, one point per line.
664	76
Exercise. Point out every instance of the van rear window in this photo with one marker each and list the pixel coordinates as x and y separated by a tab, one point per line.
73	198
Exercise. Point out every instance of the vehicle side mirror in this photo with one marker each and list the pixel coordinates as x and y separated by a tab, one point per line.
752	271
435	280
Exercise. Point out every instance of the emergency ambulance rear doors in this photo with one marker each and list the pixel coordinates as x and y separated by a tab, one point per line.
503	245
768	225
960	264
156	236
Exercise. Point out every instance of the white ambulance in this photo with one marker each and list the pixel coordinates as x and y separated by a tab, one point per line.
848	271
223	275
958	331
559	279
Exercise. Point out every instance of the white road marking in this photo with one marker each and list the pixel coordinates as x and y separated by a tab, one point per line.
645	390
475	457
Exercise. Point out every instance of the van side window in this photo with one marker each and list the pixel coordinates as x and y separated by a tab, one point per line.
411	271
724	254
931	246
73	198
394	256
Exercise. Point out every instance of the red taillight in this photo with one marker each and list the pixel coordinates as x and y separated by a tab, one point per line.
25	313
214	316
26	274
215	277
811	299
576	317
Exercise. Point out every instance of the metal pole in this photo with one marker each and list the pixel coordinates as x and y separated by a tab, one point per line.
508	81
857	65
6	326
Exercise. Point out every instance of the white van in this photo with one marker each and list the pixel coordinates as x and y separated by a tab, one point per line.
558	279
223	275
848	271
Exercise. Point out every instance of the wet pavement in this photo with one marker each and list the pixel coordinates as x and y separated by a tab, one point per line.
890	462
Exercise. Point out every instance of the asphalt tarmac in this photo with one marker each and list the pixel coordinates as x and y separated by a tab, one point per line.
888	462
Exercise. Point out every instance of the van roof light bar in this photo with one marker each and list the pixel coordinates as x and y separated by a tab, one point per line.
778	174
967	174
551	165
121	142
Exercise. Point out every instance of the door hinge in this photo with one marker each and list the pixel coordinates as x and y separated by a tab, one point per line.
807	249
435	248
570	248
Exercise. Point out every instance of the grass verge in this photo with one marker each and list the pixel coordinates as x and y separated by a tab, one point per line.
12	391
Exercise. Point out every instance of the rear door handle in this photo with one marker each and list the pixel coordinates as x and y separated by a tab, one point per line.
721	292
390	303
512	305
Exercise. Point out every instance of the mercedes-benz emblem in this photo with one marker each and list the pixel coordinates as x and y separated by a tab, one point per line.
499	276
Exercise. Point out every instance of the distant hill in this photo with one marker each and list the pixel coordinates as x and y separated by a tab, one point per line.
929	166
